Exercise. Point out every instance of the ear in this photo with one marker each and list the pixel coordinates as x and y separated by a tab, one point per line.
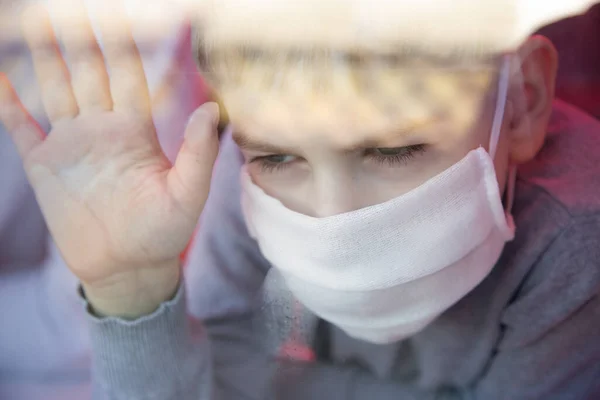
530	99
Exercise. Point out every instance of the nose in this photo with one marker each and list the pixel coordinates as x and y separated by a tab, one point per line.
333	194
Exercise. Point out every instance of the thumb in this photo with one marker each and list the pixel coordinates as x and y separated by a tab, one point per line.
189	179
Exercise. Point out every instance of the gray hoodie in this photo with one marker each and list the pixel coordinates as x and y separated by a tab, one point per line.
530	330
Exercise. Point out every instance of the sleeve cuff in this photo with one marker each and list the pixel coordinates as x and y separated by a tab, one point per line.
154	356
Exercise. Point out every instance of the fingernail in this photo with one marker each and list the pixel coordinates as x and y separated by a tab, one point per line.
207	111
212	109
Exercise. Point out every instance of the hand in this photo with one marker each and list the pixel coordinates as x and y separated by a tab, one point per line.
119	212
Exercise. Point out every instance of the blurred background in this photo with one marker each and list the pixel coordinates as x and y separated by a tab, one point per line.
578	42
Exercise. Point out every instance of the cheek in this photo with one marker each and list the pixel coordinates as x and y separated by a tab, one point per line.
276	182
291	185
319	189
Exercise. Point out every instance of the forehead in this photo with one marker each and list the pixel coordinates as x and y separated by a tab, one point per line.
337	66
353	107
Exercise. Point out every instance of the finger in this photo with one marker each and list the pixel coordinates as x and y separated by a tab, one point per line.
128	84
23	129
223	115
50	68
189	179
89	77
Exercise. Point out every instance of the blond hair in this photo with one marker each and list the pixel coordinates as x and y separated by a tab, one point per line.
371	84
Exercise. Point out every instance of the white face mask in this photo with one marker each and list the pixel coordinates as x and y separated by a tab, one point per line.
384	272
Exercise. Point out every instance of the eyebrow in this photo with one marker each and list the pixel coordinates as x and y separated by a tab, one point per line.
245	142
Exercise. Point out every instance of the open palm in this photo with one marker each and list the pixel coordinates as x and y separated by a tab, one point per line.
118	210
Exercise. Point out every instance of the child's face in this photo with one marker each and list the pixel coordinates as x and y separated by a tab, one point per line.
325	154
328	130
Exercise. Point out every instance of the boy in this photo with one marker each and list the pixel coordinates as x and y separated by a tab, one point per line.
392	212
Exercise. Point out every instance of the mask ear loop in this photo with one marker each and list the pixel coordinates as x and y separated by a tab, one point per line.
503	86
510	188
500	106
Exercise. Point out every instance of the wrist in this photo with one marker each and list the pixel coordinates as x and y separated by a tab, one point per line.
135	294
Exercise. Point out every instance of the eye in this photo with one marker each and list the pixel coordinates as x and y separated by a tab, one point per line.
273	162
388	151
393	156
